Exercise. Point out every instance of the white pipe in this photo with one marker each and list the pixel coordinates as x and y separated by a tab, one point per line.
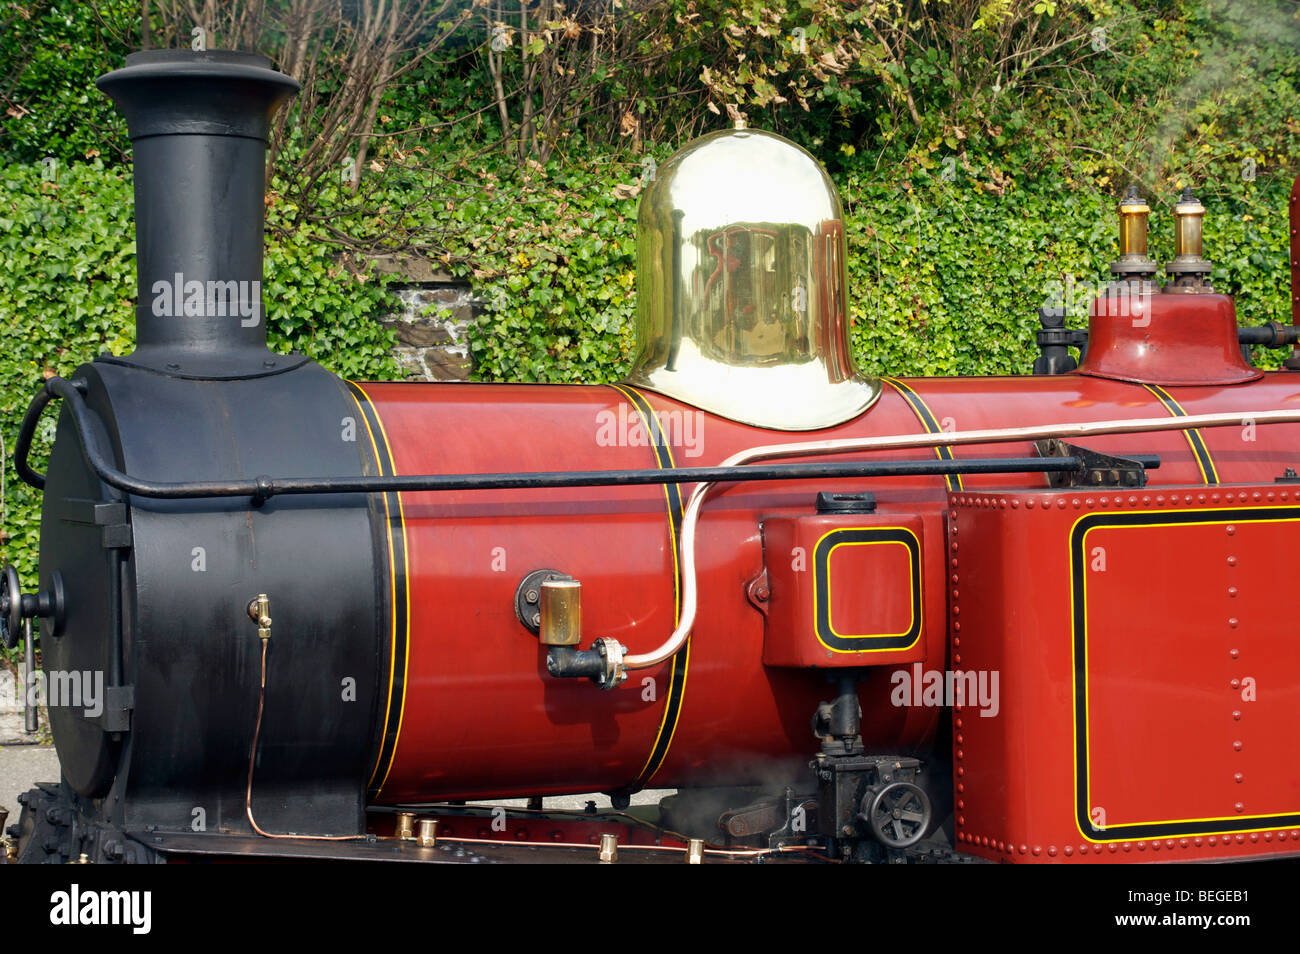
896	442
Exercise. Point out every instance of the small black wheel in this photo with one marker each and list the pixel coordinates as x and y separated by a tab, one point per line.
898	814
11	607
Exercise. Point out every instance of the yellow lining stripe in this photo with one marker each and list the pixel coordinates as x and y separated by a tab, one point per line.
681	661
929	422
406	661
1209	473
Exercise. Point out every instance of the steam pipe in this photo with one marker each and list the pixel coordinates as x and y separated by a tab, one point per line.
988	436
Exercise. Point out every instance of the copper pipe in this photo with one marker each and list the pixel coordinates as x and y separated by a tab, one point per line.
896	442
252	761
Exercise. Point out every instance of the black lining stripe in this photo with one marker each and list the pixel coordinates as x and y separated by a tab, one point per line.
681	660
1202	453
1078	568
821	578
928	421
397	593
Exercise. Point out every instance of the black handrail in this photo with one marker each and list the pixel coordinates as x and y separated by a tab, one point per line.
261	489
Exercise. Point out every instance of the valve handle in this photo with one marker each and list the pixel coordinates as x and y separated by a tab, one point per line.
11	607
16	606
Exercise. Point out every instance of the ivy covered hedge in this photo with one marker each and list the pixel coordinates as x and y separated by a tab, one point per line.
961	221
67	294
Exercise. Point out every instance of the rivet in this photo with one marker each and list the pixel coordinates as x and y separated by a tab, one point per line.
1232	621
1238	778
1231	529
1236	715
960	738
1236	684
1236	746
1051	851
956	640
1234	652
1232	591
1232	561
1060	504
1069	850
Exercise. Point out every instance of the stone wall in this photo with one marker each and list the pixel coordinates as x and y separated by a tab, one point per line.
435	311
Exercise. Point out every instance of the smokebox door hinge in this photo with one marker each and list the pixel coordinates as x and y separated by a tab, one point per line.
1097	470
119	701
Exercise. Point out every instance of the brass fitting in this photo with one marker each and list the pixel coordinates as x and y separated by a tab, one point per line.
405	828
259	611
608	849
428	836
695	851
1188	272
560	604
1133	261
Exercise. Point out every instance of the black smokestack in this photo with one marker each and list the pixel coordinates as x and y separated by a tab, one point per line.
199	124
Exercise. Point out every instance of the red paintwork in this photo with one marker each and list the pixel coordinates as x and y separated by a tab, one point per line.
481	717
1166	339
884	605
1186	658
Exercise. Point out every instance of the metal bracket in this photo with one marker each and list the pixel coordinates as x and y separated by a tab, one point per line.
119	702
1098	470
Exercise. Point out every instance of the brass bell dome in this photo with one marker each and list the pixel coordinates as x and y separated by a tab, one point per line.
741	285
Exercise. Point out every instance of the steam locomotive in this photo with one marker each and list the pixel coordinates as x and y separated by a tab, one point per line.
847	619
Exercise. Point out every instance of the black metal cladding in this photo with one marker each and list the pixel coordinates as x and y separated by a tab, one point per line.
199	124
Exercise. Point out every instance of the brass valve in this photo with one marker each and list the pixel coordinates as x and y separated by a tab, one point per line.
1133	261
259	611
1189	272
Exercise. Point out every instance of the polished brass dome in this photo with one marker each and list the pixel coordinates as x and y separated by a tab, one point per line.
741	285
